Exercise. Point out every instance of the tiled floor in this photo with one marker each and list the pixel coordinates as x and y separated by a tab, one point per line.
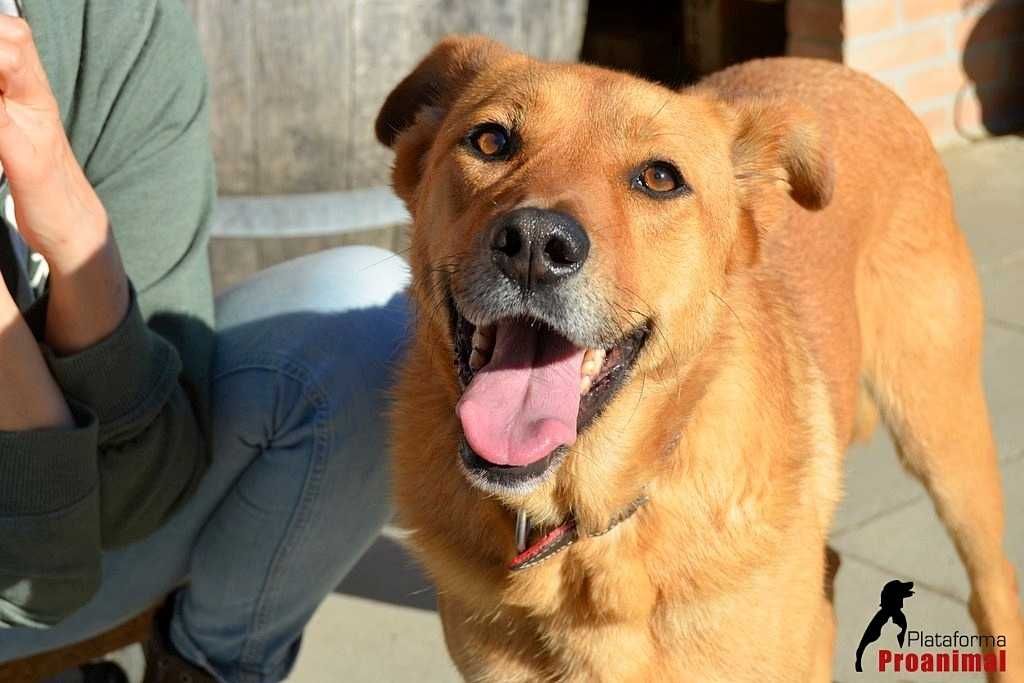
380	626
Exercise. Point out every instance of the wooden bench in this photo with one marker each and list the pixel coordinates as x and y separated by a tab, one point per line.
49	664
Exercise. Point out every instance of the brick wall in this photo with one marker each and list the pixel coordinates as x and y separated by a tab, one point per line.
959	64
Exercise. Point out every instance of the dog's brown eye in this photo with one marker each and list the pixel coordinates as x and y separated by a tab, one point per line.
490	141
660	178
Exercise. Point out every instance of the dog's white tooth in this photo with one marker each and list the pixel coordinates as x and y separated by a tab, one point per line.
477	360
585	385
593	359
594	356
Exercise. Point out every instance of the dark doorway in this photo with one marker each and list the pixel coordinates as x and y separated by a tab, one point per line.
678	42
752	29
644	38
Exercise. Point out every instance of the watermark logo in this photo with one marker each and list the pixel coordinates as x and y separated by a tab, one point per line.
933	651
890	608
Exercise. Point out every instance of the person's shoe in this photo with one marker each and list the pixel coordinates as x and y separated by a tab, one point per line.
163	663
103	672
93	672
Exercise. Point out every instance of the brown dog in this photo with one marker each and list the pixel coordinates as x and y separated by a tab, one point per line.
648	324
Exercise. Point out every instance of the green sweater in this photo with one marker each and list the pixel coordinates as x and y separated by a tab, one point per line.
132	90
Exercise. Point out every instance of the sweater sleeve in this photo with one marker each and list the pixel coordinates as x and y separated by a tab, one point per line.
138	122
49	512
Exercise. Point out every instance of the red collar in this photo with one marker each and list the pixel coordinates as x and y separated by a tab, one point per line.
563	536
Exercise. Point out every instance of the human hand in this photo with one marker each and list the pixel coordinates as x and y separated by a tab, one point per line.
58	212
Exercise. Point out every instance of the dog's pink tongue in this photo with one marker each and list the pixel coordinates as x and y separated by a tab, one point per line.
523	404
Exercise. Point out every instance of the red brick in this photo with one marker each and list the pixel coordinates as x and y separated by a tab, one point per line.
934	82
983	66
902	50
815	19
799	47
1003	20
916	10
894	82
939	122
863	20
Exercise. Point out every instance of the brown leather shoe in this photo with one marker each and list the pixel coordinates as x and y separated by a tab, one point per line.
163	663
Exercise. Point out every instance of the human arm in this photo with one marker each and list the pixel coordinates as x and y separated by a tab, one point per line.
134	107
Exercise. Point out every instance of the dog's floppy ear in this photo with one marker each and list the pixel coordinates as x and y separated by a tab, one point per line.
779	140
409	118
435	82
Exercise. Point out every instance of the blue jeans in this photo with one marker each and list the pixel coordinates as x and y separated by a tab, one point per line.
298	486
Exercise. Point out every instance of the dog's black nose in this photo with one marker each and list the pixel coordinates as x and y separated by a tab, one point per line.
536	247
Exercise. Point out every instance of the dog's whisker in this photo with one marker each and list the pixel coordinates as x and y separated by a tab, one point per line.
658	332
397	254
639	398
732	311
660	109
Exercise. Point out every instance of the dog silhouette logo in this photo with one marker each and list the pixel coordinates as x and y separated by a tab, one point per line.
890	607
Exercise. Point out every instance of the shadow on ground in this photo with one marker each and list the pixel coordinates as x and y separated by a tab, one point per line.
386	573
992	59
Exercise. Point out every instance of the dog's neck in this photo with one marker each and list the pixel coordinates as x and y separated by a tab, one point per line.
720	478
560	538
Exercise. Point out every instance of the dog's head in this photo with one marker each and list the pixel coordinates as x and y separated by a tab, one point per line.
574	231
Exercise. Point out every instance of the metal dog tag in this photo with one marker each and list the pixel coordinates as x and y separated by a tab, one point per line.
522	530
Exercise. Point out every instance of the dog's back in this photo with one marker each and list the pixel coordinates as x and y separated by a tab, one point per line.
890	304
847	265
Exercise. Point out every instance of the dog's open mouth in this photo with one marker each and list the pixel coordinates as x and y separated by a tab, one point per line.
528	390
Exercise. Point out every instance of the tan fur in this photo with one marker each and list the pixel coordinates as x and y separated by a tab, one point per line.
817	255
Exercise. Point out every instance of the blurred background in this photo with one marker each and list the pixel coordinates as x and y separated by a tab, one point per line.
296	85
